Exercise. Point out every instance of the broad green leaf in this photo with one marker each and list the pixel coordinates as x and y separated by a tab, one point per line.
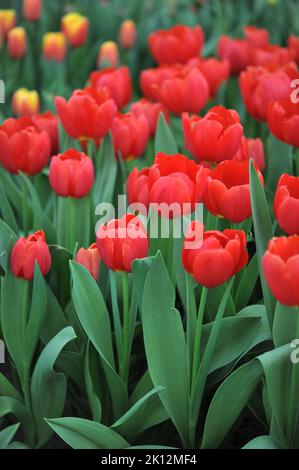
262	442
165	345
284	326
7	435
12	406
7	212
83	434
247	284
106	166
7	239
93	399
55	320
280	160
72	364
7	389
48	388
164	141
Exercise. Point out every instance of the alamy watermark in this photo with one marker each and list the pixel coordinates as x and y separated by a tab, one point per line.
2	352
2	92
295	92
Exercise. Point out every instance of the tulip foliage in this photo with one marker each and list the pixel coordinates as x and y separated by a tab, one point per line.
149	225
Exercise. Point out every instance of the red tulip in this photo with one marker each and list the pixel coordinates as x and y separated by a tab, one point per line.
228	191
219	255
251	149
7	21
283	120
117	81
71	174
122	241
23	147
48	122
286	204
17	43
127	34
271	54
26	252
130	135
151	111
149	78
137	187
257	37
236	51
76	28
188	91
32	9
88	114
54	46
281	269
259	87
293	43
215	71
90	259
177	44
215	137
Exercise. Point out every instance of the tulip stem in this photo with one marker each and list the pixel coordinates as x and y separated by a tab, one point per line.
197	339
296	158
292	414
126	329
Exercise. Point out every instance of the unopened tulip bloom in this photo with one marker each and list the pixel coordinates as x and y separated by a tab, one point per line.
23	146
25	102
215	258
281	269
127	34
108	55
177	44
215	137
150	78
32	9
71	174
214	70
138	187
54	46
76	28
122	241
26	252
90	259
236	51
48	122
130	135
8	21
117	81
251	149
188	91
88	114
257	37
17	43
283	120
286	204
259	87
228	190
151	111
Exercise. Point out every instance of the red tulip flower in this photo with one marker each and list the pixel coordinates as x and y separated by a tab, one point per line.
54	47
177	44
90	259
151	111
257	37
283	120
122	241
293	43
251	149
214	70
271	54
117	81
48	122
32	9
127	34
17	43
218	256
88	114
76	28
26	252
236	51
187	91
286	204
259	87
71	174
23	146
228	191
138	187
281	269
215	137
150	78
130	135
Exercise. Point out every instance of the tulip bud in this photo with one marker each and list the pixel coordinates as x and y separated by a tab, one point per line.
17	43
26	252
54	46
8	21
90	259
127	34
76	28
71	174
32	9
25	102
108	55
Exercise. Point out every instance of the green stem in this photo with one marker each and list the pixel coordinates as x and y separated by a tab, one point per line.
124	369
197	340
293	401
73	222
296	159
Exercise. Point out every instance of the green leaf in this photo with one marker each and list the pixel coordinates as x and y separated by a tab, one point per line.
94	318
7	212
280	161
83	434
106	166
165	345
9	405
7	239
7	389
262	442
247	284
55	320
48	388
263	233
284	326
228	403
93	399
7	435
164	140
